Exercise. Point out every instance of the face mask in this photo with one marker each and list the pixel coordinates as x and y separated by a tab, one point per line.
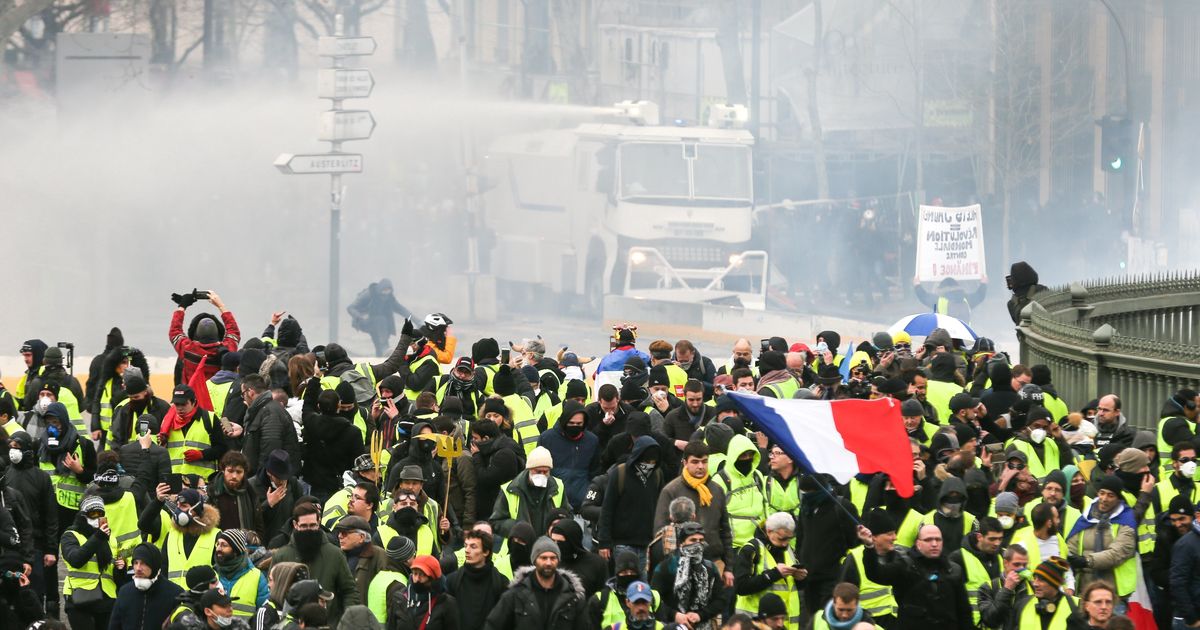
694	550
572	432
952	510
1037	435
740	362
539	481
94	523
42	405
1187	469
686	366
308	541
644	468
52	432
15	456
224	622
744	466
1005	521
142	584
623	581
1078	490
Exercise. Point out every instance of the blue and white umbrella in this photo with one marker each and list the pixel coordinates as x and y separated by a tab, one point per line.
921	324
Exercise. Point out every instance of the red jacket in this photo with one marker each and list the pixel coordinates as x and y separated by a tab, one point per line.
191	351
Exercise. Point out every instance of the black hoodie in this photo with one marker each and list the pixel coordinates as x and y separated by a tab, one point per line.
627	514
1024	284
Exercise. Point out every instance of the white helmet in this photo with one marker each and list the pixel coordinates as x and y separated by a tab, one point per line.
437	320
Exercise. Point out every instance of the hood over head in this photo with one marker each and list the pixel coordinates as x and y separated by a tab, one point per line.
952	485
37	347
193	327
737	446
718	437
1023	275
832	339
289	332
485	348
642	447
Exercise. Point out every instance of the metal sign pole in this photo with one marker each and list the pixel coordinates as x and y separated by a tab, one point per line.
337	125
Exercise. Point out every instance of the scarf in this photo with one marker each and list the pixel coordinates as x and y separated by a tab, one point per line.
420	604
63	444
174	421
1122	515
691	579
831	619
700	486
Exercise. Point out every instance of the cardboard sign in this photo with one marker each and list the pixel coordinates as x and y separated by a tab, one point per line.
950	243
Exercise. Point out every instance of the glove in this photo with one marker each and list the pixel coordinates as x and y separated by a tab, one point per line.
183	301
192	455
1077	562
407	330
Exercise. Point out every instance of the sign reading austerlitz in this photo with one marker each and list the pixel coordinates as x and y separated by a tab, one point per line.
949	243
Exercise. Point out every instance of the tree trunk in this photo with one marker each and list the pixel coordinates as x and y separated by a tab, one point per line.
162	32
279	38
418	53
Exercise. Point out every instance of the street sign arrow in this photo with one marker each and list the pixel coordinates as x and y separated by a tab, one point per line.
345	46
319	163
344	83
349	124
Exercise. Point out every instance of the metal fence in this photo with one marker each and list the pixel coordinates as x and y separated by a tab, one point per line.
1136	337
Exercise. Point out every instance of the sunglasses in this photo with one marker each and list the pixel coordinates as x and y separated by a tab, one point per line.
1016	465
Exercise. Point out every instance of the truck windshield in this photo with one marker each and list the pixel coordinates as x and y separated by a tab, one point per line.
673	171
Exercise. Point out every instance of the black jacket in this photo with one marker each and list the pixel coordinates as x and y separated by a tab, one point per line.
496	464
268	427
627	516
703	370
678	426
480	587
122	423
37	491
824	534
931	592
331	443
144	610
1185	578
595	420
520	606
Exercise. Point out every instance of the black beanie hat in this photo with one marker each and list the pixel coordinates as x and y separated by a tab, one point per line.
771	605
659	376
1112	483
576	389
771	361
150	555
345	393
494	405
503	382
880	522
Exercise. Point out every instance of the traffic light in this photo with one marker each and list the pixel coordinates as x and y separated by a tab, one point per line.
1116	143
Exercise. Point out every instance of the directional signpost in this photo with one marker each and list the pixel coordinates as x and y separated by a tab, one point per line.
335	126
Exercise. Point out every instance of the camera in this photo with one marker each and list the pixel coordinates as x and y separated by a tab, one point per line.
200	295
67	345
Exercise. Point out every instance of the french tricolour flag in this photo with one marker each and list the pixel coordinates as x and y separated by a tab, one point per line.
841	438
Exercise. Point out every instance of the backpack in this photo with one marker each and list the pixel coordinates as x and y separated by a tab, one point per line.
363	390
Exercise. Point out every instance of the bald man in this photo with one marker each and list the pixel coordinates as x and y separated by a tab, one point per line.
743	356
930	590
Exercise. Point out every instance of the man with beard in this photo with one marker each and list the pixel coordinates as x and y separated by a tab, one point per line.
326	564
639	612
589	567
606	416
541	597
1103	542
697	366
610	606
238	576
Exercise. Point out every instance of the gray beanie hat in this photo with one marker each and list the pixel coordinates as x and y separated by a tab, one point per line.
1007	503
543	545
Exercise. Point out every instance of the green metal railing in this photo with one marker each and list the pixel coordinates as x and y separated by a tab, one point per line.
1136	337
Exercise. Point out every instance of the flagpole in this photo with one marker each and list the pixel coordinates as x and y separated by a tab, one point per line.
836	500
